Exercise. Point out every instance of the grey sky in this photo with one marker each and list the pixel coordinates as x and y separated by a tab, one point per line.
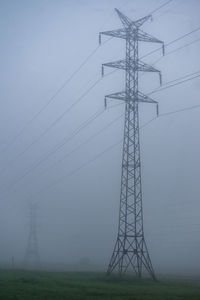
42	43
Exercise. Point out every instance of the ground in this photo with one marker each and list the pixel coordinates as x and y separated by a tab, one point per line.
25	285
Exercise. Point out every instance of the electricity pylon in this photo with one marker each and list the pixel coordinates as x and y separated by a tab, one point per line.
130	250
32	258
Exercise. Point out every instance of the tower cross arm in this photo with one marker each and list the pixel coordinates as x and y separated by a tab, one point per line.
144	98
135	66
119	95
140	98
119	64
146	37
122	96
139	66
118	33
146	68
141	21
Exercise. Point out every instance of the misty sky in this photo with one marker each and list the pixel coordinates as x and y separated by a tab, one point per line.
42	43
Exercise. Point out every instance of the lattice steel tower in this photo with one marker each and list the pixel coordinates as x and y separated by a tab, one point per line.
130	251
32	258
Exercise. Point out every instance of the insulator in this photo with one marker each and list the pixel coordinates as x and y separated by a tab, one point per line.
163	49
157	109
102	70
160	76
105	102
99	39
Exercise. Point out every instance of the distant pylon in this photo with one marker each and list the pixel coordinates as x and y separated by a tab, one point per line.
130	251
32	258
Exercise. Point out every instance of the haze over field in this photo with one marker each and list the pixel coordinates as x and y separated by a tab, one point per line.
42	43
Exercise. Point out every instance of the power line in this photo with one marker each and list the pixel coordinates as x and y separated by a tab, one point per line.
177	49
79	168
171	8
170	52
89	121
172	85
173	41
186	45
55	149
159	7
44	158
180	110
154	91
66	140
168	85
51	99
63	86
55	121
171	113
182	77
183	36
86	92
85	142
80	98
65	83
174	80
111	147
94	117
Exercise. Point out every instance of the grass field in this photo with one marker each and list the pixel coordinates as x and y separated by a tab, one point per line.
25	285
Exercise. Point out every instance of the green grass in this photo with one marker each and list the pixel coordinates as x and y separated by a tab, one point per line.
25	285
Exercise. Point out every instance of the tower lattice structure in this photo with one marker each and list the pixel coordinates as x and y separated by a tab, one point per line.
32	257
130	250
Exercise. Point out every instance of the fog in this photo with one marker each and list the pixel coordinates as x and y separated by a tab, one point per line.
43	42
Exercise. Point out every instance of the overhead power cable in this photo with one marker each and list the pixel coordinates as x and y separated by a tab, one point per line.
175	50
173	41
173	81
106	75
73	104
58	119
108	150
184	46
159	7
92	118
86	123
83	125
171	8
170	52
172	85
114	145
59	180
179	110
182	77
50	153
52	98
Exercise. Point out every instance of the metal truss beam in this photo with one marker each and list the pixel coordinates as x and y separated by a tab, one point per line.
130	250
32	257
